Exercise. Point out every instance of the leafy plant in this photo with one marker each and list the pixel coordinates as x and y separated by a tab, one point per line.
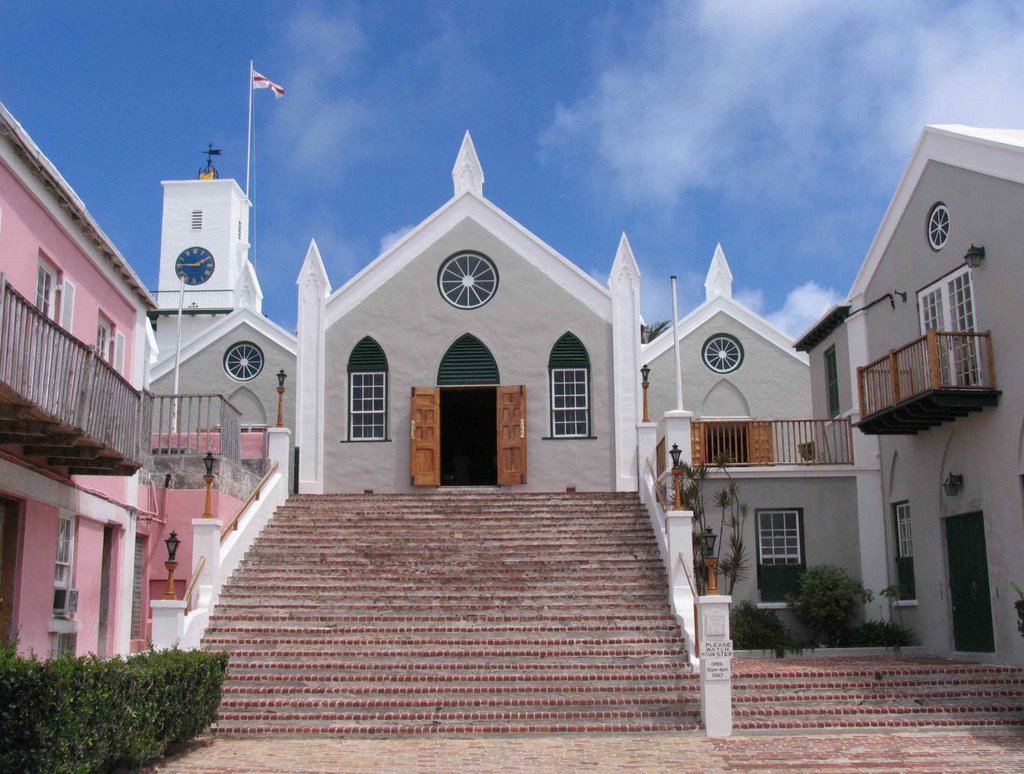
649	333
83	714
756	629
881	634
733	562
826	601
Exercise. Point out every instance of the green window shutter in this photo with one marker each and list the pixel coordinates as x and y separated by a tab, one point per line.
905	577
832	381
778	580
367	356
568	352
467	361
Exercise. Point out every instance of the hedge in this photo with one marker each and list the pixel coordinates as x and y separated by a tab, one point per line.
85	714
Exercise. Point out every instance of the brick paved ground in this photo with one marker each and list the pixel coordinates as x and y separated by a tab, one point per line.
980	751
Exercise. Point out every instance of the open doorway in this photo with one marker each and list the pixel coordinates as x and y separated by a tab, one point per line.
469	436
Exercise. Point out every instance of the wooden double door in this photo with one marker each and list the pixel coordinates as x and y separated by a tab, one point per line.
474	435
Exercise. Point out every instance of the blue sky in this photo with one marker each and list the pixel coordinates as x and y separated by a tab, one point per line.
778	128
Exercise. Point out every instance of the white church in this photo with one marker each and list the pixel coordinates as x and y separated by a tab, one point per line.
473	354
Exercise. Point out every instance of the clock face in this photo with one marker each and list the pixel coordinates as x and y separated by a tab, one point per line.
195	265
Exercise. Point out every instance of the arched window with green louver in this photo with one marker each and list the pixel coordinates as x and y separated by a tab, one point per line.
367	392
569	372
467	361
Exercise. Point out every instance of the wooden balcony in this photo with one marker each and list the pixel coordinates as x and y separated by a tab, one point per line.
61	406
933	379
750	442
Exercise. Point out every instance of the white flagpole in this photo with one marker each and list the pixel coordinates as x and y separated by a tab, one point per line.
177	355
248	141
675	341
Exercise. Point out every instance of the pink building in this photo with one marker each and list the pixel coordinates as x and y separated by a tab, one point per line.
74	343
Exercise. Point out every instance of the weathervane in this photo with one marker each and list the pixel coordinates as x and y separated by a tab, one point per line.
209	172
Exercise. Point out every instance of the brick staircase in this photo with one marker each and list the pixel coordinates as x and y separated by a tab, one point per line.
880	692
468	611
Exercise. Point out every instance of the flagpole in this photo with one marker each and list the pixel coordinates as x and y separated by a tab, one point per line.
675	341
248	142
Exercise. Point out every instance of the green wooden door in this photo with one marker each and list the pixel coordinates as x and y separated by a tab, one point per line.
968	583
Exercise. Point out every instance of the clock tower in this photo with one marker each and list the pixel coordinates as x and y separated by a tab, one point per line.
204	238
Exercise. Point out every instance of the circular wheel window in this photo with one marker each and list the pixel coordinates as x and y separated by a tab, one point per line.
243	361
722	353
467	280
938	226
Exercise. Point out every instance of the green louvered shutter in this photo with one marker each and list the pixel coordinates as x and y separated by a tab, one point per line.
467	361
367	356
568	352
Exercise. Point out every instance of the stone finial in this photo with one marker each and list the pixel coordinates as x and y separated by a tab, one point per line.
624	266
719	279
467	174
313	270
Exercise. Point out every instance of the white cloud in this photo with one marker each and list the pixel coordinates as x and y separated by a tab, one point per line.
752	298
392	237
736	94
803	305
317	123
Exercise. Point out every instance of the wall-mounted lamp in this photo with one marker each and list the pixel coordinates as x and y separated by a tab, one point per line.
953	484
975	255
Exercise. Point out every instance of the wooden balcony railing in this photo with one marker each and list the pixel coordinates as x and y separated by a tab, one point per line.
61	401
939	360
196	424
772	442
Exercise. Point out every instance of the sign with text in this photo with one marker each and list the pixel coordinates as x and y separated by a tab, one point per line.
717	668
716	649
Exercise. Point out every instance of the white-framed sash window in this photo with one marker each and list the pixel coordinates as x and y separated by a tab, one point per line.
62	572
570	403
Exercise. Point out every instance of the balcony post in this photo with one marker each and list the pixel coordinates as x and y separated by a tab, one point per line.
935	372
991	360
894	377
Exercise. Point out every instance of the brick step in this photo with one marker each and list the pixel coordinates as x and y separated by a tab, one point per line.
491	521
468	665
549	621
482	674
274	714
961	680
350	583
240	728
942	707
951	720
469	692
441	700
466	651
466	637
220	628
416	596
582	570
455	548
916	694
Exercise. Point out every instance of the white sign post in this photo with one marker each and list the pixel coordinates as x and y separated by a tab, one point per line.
715	664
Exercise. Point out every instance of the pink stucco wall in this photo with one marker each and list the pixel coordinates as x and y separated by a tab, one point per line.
182	505
28	232
37	556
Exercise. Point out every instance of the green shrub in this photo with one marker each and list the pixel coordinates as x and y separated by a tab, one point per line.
828	598
84	714
881	634
756	629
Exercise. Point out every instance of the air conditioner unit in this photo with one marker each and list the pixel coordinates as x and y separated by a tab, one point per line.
65	602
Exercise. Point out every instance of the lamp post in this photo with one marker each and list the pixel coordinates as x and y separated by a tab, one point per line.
171	564
208	480
281	376
711	560
677	476
644	373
